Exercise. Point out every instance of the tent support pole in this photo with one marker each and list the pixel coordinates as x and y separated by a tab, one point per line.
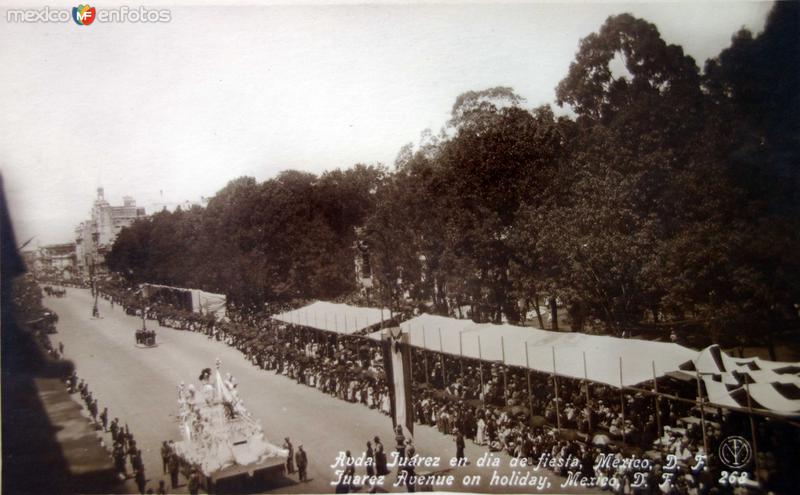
622	399
588	398
753	431
555	387
444	371
505	386
410	362
461	353
528	374
702	412
480	363
657	400
505	370
425	354
441	356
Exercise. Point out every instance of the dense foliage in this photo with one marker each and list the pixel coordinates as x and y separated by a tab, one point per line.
670	200
285	238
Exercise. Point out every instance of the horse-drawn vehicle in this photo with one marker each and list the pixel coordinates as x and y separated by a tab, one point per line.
145	338
46	322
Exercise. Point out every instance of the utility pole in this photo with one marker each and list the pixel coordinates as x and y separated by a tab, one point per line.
93	282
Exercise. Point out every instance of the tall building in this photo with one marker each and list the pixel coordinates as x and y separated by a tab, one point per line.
94	237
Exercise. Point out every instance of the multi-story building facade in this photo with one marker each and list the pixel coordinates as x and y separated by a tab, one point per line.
94	237
58	261
54	261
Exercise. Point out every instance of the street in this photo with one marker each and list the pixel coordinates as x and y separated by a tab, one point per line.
139	386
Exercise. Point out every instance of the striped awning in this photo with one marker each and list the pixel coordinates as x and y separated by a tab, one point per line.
748	382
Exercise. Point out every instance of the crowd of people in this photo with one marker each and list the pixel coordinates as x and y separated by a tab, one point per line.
124	449
488	403
54	292
126	454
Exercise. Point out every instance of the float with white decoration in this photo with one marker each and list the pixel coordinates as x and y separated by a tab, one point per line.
220	438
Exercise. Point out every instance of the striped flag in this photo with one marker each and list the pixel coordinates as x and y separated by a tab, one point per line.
397	363
748	382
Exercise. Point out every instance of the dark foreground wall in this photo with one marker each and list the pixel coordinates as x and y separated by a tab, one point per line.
47	445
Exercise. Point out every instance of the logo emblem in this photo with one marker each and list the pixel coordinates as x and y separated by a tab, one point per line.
735	452
83	15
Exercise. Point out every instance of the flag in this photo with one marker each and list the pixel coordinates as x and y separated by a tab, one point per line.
397	363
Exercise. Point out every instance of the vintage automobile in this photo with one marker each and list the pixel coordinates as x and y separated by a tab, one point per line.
46	322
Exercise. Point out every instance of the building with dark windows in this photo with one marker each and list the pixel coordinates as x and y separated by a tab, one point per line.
95	236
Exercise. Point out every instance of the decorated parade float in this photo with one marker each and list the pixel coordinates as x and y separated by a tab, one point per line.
221	440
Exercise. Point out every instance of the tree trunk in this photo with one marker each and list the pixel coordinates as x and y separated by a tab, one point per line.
538	312
554	312
576	316
771	346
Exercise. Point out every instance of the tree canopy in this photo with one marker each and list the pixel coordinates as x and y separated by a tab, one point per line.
669	201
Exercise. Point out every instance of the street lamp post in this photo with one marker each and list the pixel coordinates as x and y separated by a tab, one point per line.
93	285
144	308
93	275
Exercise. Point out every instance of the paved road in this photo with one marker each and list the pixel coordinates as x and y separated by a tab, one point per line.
139	386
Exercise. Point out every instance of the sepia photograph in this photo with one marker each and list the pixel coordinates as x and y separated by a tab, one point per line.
365	246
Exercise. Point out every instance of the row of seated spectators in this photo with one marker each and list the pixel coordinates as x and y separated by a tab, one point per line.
490	404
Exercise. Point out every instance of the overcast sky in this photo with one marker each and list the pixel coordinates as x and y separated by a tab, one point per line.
221	92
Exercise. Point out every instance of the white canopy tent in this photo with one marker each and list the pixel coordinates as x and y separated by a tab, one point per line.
202	302
339	318
604	359
772	385
208	303
439	333
545	351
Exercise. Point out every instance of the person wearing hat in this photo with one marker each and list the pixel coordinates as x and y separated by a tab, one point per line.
114	428
380	458
370	453
400	441
349	471
411	451
289	460
166	451
174	469
194	482
104	418
119	460
302	462
141	481
459	445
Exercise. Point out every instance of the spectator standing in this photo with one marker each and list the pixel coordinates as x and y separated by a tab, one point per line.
289	460
302	462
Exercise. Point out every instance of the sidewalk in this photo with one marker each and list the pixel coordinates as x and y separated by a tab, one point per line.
88	464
